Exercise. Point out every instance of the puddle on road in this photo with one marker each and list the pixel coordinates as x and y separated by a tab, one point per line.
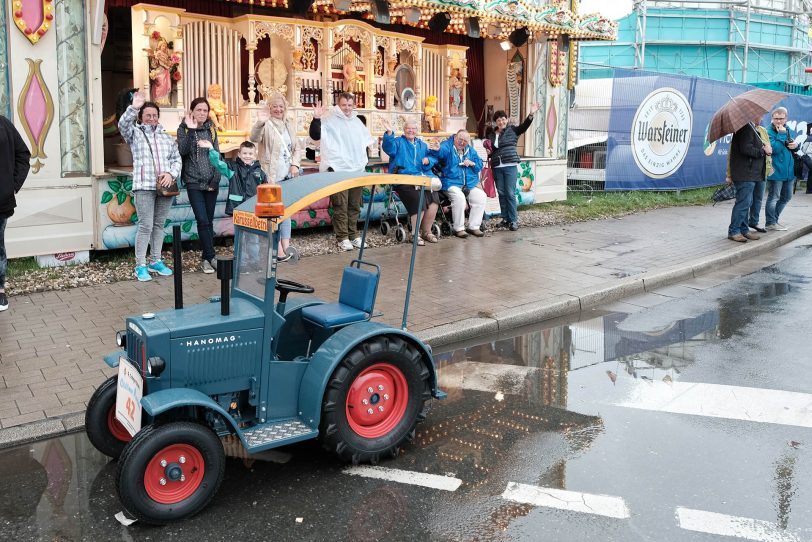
512	406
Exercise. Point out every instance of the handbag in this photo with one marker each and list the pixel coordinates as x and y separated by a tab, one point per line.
724	193
488	184
167	191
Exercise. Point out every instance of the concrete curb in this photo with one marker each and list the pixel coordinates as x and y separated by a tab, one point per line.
491	323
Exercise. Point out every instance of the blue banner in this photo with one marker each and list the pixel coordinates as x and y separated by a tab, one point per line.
658	126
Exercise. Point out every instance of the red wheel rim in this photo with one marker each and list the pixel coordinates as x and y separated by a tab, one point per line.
376	401
174	473
115	427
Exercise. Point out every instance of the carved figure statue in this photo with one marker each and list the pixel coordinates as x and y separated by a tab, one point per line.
160	80
217	109
455	91
350	73
433	117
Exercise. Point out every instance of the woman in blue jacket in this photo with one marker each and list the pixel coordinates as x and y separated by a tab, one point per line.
408	155
782	181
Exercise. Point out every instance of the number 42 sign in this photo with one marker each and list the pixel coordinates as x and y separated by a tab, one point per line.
128	397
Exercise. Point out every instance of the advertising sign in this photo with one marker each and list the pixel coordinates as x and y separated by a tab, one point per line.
128	397
657	136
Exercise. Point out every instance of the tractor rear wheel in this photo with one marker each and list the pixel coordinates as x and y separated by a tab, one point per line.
374	399
104	431
170	472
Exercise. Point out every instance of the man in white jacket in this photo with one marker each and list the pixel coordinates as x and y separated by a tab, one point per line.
344	141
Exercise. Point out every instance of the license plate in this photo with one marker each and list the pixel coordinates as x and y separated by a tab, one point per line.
128	396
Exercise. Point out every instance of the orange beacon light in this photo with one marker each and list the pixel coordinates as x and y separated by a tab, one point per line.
269	201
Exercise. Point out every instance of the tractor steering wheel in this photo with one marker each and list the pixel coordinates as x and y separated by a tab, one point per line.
285	287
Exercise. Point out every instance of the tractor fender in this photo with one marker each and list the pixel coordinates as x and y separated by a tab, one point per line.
112	359
162	401
324	361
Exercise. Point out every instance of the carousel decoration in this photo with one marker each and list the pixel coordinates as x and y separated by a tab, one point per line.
33	18
36	107
164	69
217	109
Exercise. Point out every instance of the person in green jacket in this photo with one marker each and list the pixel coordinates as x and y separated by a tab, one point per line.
782	181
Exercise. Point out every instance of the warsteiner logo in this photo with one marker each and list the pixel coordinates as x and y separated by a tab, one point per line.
661	132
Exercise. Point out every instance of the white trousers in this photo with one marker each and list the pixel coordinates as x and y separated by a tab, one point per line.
476	198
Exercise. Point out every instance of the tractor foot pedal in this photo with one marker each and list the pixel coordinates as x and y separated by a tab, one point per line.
277	433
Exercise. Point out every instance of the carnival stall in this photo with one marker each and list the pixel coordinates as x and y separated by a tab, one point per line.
445	64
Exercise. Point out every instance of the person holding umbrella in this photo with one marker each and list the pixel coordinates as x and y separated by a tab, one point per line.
748	167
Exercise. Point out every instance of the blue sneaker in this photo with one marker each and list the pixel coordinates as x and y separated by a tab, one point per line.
142	273
160	268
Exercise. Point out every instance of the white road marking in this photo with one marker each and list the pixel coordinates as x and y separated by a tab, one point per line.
574	501
722	524
434	481
721	401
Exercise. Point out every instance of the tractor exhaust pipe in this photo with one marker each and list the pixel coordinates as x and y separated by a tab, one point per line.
177	264
225	270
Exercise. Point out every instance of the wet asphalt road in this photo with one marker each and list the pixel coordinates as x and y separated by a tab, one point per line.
689	410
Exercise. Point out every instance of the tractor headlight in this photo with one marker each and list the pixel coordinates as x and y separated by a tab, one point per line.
121	339
155	366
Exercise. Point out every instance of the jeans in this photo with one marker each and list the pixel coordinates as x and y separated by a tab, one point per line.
203	203
152	211
755	206
284	229
739	215
778	195
505	180
3	256
476	199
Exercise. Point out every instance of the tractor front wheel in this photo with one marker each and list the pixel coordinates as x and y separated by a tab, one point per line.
170	472
104	431
374	399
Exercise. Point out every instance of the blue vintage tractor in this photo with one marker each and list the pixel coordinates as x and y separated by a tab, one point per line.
270	368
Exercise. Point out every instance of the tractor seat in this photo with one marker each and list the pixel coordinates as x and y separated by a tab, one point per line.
356	300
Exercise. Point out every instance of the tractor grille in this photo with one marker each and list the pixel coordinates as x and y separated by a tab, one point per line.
136	350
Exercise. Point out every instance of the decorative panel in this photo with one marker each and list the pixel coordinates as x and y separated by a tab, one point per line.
72	74
33	17
35	107
540	77
5	104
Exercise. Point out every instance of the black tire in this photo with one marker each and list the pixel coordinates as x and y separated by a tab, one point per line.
105	433
400	234
341	433
384	227
445	229
139	472
435	229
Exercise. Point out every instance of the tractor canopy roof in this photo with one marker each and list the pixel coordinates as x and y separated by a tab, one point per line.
304	191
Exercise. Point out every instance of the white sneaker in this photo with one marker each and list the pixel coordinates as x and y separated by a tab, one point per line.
775	227
345	245
208	268
357	243
780	227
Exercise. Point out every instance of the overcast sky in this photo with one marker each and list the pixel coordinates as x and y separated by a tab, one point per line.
614	9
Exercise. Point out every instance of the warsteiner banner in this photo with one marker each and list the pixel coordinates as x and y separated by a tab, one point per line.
658	131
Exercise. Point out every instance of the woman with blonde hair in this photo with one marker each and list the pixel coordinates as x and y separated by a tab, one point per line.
279	153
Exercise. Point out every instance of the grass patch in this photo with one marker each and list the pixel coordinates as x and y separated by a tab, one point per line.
18	266
585	206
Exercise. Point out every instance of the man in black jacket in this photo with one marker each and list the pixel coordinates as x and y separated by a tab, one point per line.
14	157
747	167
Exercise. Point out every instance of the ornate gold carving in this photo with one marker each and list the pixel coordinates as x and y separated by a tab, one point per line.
407	45
383	41
312	33
378	63
284	31
296	63
37	141
309	60
350	32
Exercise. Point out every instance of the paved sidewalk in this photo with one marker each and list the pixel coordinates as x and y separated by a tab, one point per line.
51	343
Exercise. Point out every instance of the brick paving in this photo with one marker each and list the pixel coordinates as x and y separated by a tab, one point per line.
51	343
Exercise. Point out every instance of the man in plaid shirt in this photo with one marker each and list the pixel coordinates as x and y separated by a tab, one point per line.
155	160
